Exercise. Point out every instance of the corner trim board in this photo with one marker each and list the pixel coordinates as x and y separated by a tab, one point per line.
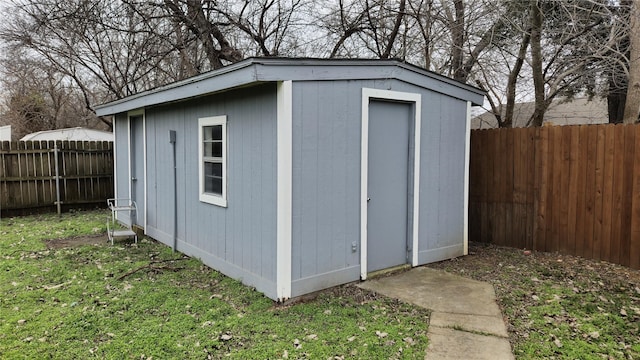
416	99
284	149
467	154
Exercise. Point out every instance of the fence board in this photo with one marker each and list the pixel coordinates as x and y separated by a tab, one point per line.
580	186
27	174
572	192
627	191
573	189
634	245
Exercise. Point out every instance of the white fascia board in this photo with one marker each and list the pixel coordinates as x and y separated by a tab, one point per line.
256	70
284	206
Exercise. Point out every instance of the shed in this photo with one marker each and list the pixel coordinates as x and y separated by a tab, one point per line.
295	175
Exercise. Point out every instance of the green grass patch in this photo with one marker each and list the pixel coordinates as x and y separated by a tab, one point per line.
141	301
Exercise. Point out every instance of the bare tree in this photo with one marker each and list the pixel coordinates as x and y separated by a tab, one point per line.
37	97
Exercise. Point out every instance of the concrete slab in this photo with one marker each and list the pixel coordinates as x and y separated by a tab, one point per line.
456	303
438	291
479	323
449	344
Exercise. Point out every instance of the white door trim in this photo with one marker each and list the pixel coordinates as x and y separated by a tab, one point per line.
416	99
130	114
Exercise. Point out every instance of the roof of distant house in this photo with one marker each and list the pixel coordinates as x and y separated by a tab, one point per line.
560	112
72	134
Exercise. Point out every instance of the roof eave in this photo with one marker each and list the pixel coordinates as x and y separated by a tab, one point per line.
256	70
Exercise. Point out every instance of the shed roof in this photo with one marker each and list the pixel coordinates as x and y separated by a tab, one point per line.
258	70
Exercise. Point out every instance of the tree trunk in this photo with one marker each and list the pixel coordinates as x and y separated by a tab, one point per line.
536	65
394	32
457	35
616	100
632	105
513	78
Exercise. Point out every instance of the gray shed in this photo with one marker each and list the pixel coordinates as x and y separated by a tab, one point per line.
295	175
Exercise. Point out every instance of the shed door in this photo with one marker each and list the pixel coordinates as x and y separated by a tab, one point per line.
137	166
389	126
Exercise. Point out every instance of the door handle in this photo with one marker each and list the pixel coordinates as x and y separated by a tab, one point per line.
134	179
368	199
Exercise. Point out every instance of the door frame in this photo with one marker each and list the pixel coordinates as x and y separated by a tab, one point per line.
130	114
411	98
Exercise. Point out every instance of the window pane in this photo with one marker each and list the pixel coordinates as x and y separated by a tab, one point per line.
213	185
207	132
216	132
213	169
208	149
217	149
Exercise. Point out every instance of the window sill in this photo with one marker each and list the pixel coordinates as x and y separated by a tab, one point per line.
213	200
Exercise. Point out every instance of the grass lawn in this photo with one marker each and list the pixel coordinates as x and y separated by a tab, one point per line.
65	300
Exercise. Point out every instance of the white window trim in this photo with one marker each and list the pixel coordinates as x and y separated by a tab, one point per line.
416	99
207	197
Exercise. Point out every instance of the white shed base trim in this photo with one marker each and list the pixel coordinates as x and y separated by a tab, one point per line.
324	281
439	254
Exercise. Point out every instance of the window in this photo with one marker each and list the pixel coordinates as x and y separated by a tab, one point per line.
212	139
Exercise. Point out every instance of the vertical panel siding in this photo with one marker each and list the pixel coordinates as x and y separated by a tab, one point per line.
243	234
326	176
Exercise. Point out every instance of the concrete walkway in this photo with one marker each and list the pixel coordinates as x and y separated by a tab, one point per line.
466	322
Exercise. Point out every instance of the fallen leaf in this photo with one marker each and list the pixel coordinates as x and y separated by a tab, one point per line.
558	343
312	336
409	341
327	312
351	339
225	337
381	334
594	335
623	312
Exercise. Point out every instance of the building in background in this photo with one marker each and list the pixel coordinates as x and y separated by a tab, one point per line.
560	112
70	134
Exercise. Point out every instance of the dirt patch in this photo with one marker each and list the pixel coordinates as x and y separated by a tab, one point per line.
76	241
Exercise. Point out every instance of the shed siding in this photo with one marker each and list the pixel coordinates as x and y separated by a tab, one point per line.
326	179
326	151
239	240
442	179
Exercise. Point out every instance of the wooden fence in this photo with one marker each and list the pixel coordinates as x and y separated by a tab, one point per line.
34	174
571	189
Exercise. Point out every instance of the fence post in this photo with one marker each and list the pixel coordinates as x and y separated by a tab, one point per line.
55	159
